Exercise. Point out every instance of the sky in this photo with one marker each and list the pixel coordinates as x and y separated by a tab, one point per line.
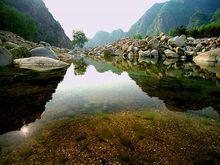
91	16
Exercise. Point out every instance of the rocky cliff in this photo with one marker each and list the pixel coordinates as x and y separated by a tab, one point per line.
102	38
162	17
47	28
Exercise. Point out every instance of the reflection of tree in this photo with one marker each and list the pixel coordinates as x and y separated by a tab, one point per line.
80	67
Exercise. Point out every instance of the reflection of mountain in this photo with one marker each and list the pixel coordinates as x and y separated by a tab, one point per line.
23	95
182	94
182	86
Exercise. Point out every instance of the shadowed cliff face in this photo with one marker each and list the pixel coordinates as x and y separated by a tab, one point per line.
48	29
23	95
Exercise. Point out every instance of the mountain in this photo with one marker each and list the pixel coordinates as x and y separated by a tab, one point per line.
102	38
32	20
162	17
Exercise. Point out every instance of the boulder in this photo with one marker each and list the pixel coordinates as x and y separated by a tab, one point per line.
144	53
170	54
153	43
65	57
131	56
164	38
43	52
154	53
210	56
177	41
191	39
44	43
20	52
39	63
5	57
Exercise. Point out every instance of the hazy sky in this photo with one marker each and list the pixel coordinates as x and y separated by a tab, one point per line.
94	15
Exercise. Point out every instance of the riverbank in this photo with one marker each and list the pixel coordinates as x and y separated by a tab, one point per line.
123	138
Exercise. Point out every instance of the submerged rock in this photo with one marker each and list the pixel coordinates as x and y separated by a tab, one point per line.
43	52
40	63
210	56
5	57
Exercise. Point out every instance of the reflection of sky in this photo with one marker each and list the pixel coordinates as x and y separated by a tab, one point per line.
94	90
88	93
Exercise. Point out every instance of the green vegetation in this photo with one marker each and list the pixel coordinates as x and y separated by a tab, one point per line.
138	36
16	22
79	39
208	30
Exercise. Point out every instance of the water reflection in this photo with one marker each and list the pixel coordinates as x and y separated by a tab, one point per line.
96	86
23	95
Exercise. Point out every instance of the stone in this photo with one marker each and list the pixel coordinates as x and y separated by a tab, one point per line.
154	53
43	52
164	38
39	63
170	54
177	41
65	57
179	51
44	43
144	53
20	52
210	56
170	61
1	42
124	47
191	39
5	57
131	56
130	48
135	50
153	43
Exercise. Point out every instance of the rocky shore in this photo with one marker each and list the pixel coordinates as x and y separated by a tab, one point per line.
18	52
205	51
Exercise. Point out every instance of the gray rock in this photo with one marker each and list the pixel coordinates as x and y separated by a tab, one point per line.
44	43
170	61
177	41
43	52
0	42
210	56
153	43
171	54
131	56
191	39
144	53
39	63
154	53
5	57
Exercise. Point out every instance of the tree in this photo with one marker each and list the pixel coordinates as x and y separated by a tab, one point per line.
79	39
178	31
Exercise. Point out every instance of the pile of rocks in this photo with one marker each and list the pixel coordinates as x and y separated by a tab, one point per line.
160	47
26	54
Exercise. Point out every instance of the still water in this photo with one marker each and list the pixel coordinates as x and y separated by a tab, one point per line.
30	100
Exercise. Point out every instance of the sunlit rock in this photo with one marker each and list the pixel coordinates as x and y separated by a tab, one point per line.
39	63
